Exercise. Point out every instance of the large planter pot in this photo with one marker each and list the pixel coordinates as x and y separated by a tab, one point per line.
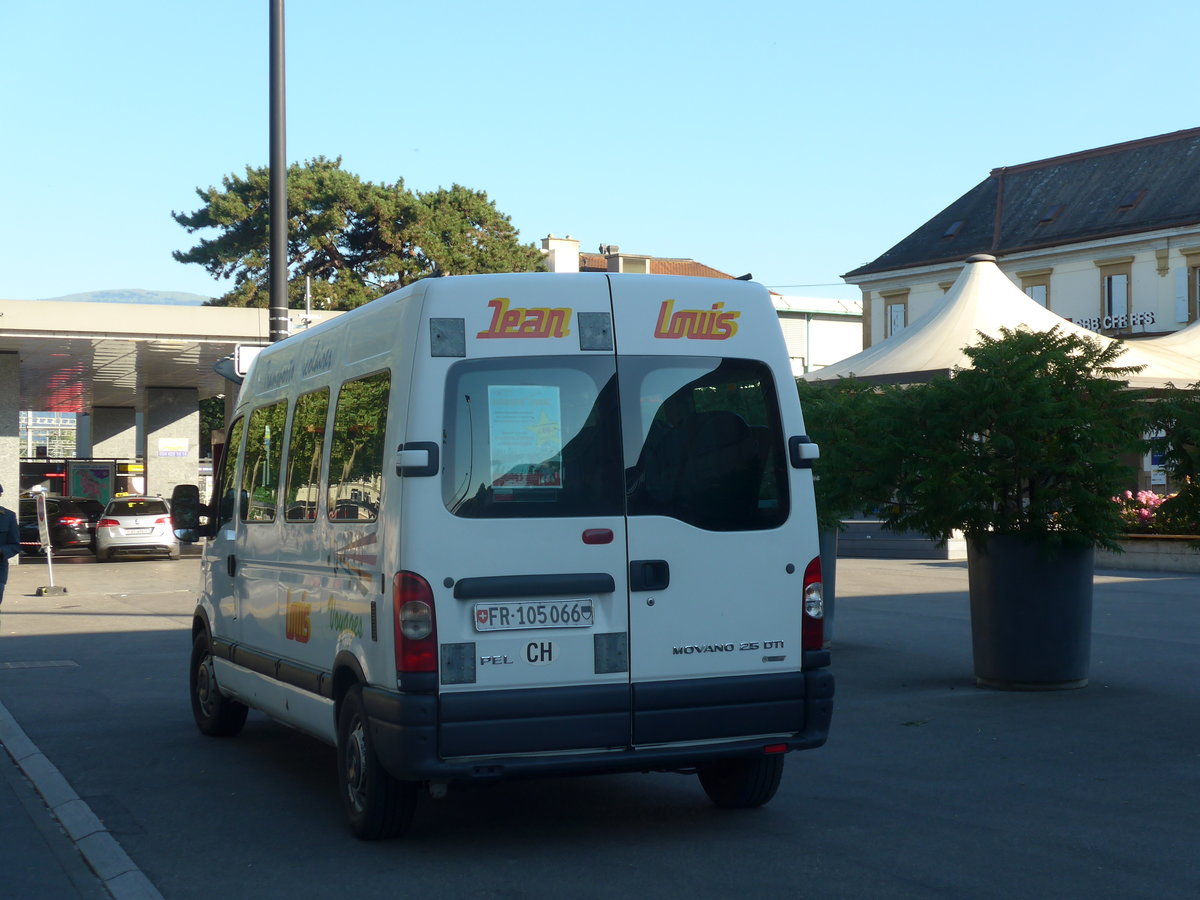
1031	614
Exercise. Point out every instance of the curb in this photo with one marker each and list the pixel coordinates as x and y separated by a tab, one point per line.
103	854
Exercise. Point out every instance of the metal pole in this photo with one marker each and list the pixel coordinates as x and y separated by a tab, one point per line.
277	276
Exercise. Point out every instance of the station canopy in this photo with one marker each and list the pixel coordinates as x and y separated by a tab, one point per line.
984	300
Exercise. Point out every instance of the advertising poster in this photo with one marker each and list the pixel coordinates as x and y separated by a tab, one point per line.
93	479
525	430
173	446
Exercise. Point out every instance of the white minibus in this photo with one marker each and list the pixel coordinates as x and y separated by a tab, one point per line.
496	526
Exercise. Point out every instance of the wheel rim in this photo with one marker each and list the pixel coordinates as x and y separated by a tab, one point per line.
206	686
356	756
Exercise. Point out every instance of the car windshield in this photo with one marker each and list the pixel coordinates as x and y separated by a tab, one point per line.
151	507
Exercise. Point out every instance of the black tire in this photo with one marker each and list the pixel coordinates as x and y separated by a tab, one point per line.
377	805
215	714
742	783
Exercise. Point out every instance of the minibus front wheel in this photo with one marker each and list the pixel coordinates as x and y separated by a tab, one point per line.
377	805
215	714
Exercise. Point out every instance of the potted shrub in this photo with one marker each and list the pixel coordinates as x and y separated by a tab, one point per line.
1022	452
842	416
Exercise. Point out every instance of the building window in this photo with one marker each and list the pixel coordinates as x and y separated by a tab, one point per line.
1116	298
1052	213
1036	285
1193	293
895	311
1191	256
1115	294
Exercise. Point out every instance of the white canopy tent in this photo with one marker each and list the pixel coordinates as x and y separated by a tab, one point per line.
983	299
1184	342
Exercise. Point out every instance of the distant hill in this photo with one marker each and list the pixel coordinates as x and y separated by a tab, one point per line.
134	295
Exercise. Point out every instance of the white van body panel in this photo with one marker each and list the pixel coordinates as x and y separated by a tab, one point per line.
301	709
699	626
449	547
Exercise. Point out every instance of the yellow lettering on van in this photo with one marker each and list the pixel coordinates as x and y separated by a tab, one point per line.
696	324
298	619
522	322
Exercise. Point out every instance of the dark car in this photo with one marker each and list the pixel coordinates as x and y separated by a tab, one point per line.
67	523
93	509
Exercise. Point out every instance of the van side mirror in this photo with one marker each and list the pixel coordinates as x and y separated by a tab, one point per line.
802	452
186	510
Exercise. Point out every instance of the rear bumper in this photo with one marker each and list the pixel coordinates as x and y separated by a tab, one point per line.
579	731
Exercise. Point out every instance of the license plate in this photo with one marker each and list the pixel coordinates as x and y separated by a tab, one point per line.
533	614
138	530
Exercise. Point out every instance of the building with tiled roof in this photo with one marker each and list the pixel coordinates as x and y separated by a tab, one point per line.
564	255
1108	237
817	331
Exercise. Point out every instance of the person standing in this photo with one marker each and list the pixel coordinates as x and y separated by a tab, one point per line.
10	542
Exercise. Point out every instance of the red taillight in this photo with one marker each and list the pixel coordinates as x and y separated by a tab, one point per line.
812	631
108	523
163	520
73	521
413	623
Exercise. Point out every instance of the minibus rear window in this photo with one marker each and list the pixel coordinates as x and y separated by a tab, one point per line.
532	438
696	439
703	442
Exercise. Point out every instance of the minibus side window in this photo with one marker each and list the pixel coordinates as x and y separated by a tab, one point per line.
356	454
260	470
304	456
703	442
227	485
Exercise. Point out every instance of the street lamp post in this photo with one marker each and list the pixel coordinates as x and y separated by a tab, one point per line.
277	277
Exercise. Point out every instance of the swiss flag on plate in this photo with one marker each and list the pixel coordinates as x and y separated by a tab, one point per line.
481	616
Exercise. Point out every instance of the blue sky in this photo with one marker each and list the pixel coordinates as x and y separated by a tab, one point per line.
792	140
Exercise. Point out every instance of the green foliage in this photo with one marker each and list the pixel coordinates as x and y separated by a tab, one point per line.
1029	440
356	240
212	418
859	459
1177	418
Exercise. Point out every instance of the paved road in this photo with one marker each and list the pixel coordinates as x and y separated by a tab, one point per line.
928	786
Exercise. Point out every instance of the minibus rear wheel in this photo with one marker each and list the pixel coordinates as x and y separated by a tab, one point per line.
377	805
215	714
742	783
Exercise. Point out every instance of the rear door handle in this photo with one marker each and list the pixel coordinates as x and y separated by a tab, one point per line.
649	574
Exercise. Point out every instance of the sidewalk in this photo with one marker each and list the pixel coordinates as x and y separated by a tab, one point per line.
39	858
51	843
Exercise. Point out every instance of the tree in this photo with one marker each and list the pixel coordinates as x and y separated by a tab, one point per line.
356	240
212	418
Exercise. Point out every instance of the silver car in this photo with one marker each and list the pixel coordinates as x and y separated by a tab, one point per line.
136	525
